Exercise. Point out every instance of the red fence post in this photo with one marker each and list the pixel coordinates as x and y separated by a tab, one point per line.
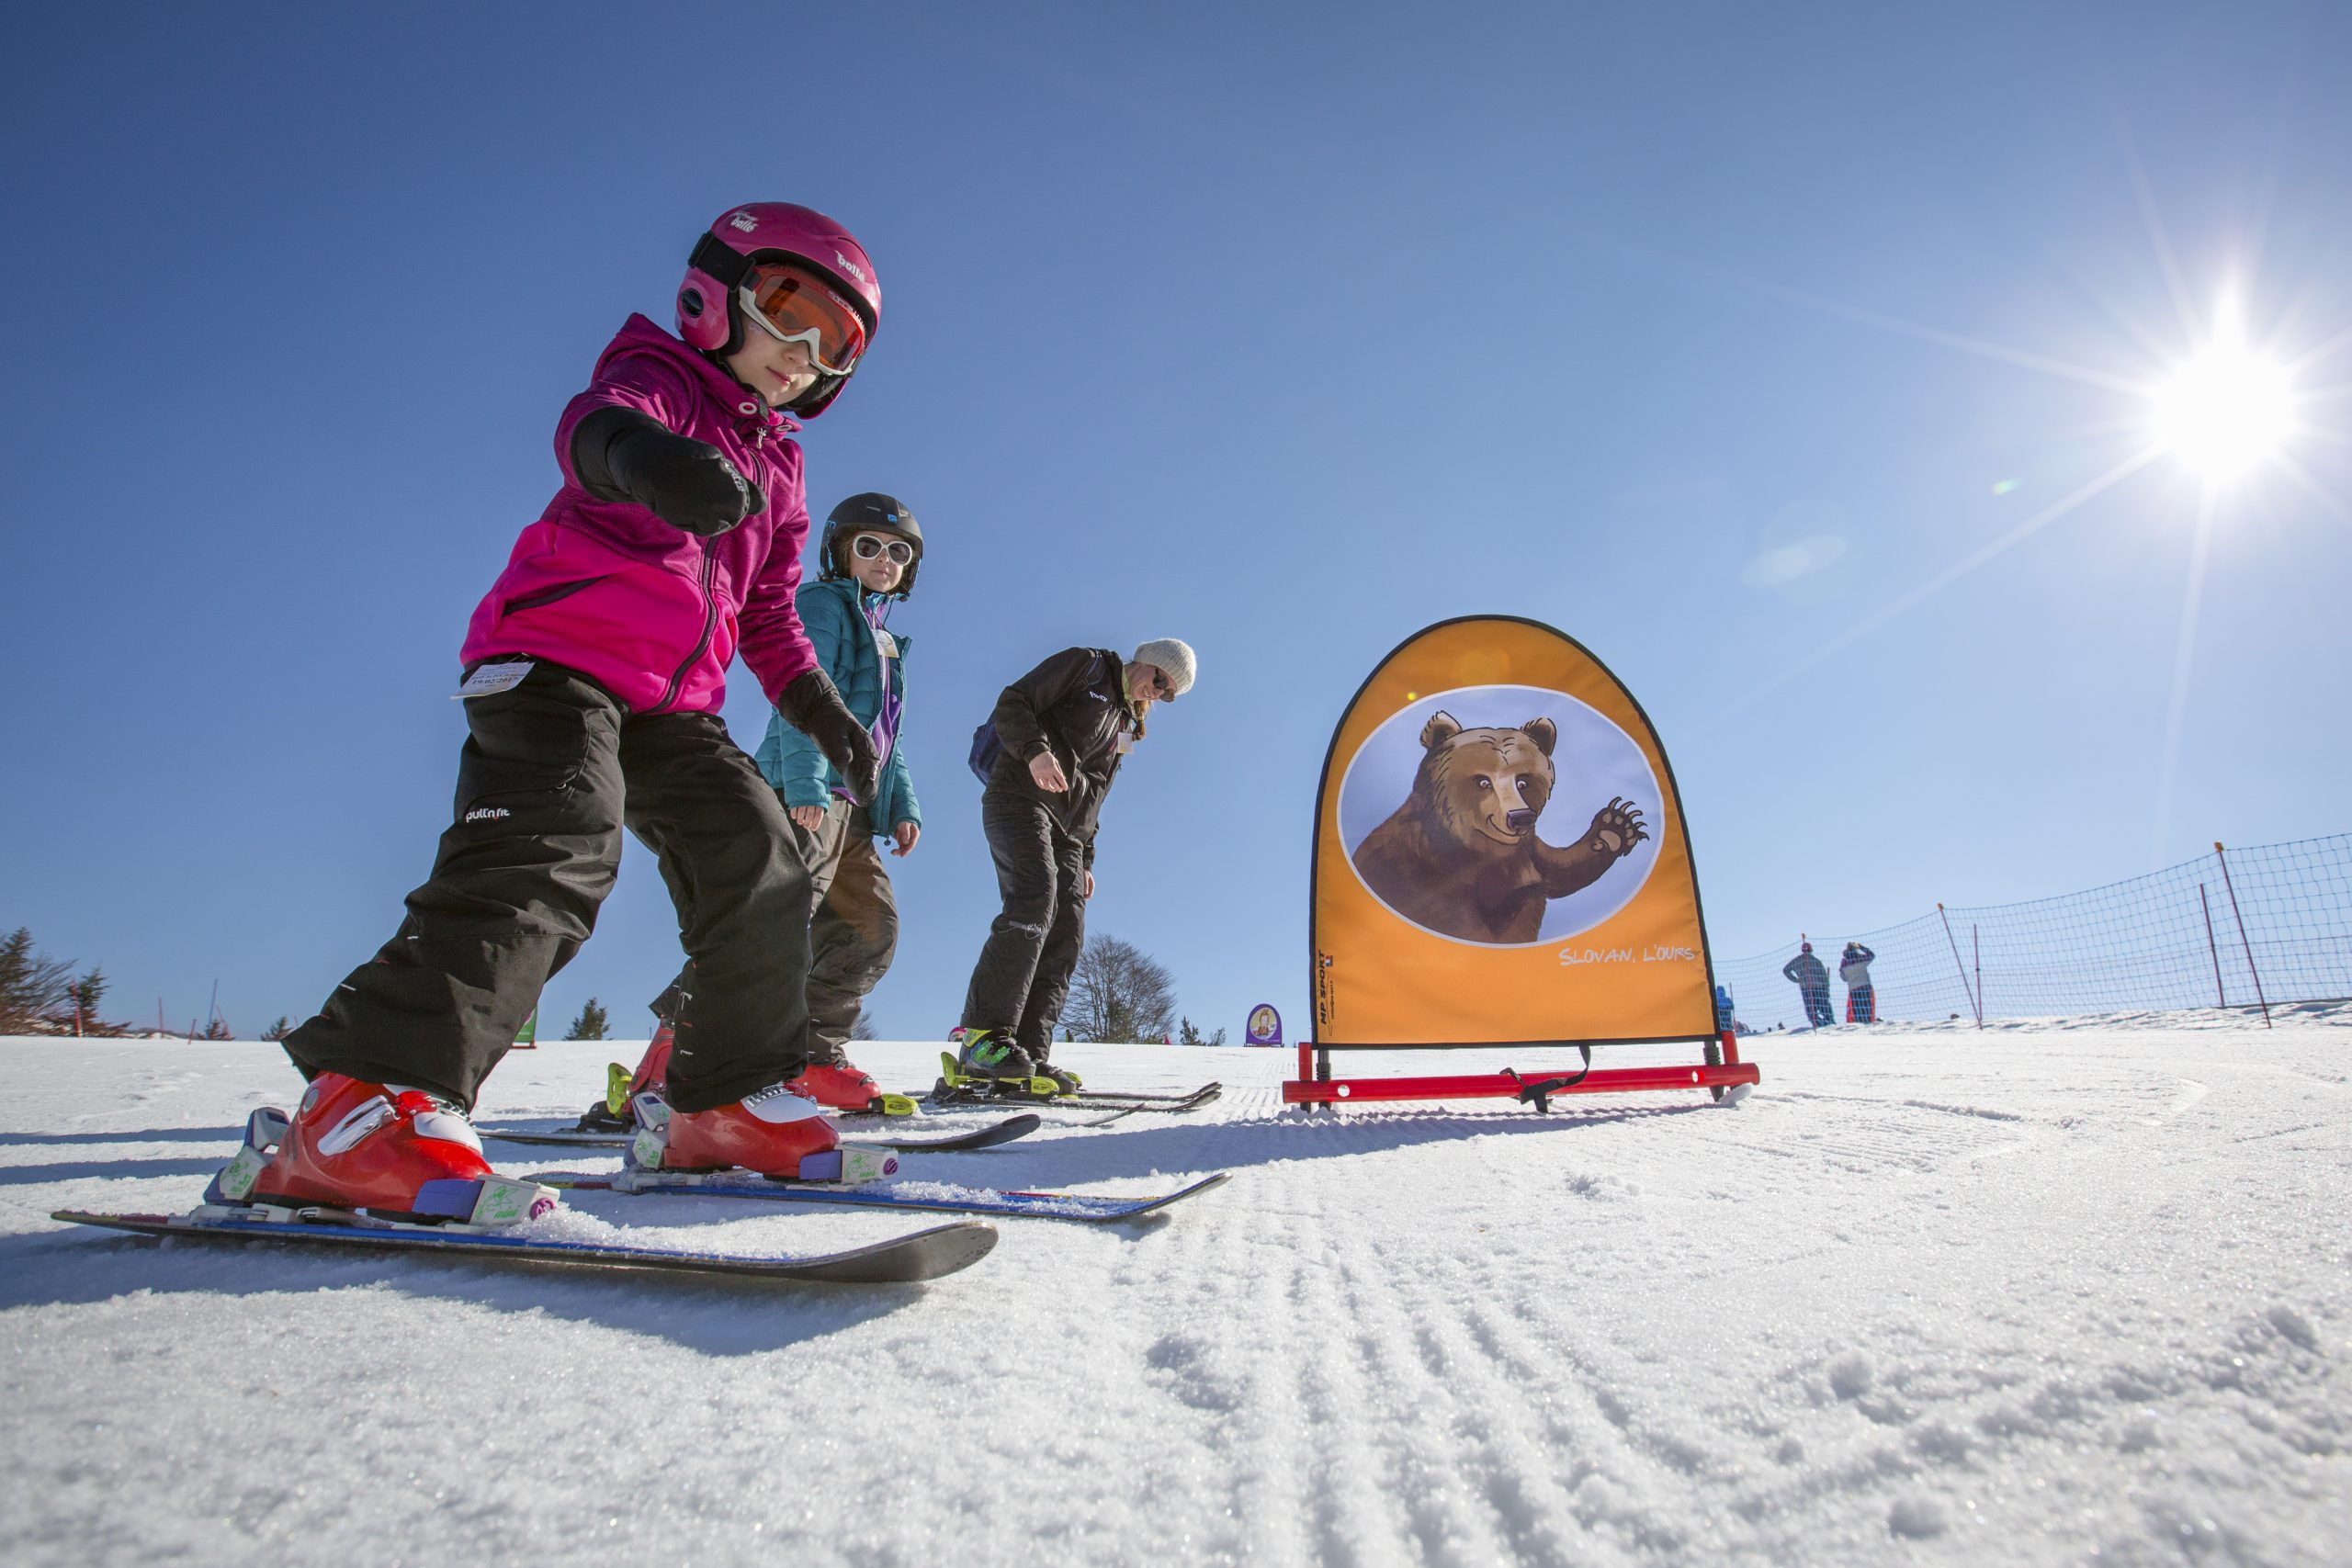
2242	940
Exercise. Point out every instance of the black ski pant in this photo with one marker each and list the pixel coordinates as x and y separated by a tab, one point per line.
853	931
1022	977
1817	1006
553	771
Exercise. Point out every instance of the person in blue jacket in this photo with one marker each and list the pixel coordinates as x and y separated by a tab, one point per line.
1812	980
871	550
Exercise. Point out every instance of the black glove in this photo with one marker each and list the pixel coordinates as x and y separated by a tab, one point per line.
622	455
812	706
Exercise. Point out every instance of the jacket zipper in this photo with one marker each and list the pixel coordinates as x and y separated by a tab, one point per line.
702	646
758	436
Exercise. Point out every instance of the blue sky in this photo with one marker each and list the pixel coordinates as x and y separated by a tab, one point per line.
1710	335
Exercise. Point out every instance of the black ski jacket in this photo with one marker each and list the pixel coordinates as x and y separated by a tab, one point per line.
1074	706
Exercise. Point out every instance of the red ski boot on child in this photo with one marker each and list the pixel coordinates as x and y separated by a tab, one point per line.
616	1112
772	1132
839	1084
396	1152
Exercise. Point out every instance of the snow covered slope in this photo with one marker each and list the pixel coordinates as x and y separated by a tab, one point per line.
2039	1294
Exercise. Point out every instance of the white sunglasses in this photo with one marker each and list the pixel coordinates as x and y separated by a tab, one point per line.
866	546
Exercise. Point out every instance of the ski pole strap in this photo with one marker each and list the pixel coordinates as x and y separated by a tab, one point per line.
1538	1092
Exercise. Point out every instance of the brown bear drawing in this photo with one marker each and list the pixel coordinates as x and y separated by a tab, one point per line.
1461	857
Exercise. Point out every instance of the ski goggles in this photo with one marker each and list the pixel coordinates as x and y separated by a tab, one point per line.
792	307
866	546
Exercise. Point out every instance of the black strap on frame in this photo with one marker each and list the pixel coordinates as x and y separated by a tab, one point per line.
1539	1091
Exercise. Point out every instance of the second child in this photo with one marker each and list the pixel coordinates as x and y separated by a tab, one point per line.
871	551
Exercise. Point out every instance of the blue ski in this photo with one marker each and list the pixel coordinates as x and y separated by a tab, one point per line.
919	1254
944	1197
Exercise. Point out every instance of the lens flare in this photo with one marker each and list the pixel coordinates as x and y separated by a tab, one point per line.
2226	409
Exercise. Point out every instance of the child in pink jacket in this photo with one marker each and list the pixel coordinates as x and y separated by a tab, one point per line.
594	671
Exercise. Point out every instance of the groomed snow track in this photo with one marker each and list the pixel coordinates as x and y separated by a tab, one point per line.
2043	1294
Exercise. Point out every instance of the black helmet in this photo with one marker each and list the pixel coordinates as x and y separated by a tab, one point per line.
870	511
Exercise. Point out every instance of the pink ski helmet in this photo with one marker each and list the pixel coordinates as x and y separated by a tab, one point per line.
708	316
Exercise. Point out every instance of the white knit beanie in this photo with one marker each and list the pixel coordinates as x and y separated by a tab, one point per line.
1174	657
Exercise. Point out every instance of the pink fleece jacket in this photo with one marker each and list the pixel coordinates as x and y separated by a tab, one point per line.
652	613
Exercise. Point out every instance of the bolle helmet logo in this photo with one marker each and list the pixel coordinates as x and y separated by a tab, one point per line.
854	270
744	221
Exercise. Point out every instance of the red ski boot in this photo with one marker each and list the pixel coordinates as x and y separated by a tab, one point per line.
772	1132
616	1112
839	1085
398	1153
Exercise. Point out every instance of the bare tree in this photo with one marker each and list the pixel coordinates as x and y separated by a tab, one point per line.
1120	993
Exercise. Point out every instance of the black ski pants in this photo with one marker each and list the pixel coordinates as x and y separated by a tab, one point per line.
1022	977
853	930
554	769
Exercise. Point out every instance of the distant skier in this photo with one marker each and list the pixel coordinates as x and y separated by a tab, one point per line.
1854	969
871	551
1813	985
594	672
1061	732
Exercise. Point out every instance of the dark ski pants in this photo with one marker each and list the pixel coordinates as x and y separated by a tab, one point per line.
1861	1005
553	771
853	933
1817	1006
1022	977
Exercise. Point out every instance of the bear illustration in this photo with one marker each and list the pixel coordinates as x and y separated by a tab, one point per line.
1460	856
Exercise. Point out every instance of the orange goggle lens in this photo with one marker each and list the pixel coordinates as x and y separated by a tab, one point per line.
797	308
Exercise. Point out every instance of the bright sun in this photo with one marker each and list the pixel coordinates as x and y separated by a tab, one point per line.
2227	409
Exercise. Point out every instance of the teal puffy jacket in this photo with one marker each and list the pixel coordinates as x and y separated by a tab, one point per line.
835	610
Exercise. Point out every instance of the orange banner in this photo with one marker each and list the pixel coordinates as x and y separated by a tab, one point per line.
1500	854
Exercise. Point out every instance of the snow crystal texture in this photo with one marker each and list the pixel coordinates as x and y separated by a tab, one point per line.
2039	1294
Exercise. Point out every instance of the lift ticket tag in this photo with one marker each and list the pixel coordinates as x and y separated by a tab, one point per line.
491	679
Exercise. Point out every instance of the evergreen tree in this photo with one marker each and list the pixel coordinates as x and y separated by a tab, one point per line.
864	1028
88	992
589	1024
1188	1035
280	1030
33	987
218	1030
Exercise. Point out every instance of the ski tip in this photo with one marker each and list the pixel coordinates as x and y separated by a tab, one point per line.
912	1258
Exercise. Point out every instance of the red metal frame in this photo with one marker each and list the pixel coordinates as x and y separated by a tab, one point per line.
1307	1089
